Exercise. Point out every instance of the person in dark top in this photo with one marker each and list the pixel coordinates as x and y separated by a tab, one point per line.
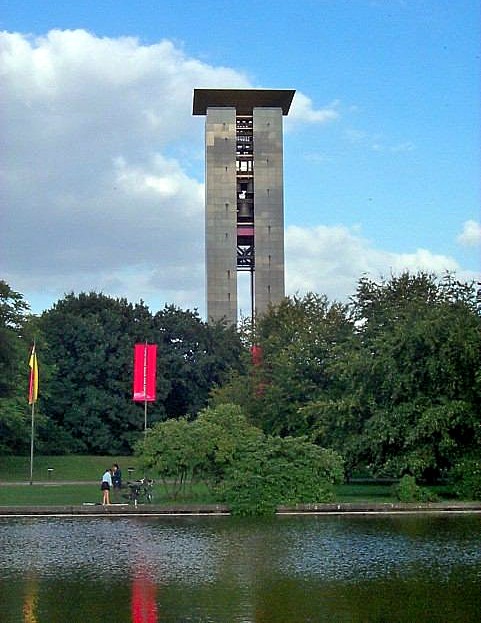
116	479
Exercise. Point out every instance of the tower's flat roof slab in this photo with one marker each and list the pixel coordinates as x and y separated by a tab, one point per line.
243	100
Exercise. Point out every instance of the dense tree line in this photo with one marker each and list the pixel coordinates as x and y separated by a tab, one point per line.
85	349
391	380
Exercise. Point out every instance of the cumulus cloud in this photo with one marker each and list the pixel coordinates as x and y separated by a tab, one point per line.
471	234
96	193
376	142
330	260
303	111
103	165
102	176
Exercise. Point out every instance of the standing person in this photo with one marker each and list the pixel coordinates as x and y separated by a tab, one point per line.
116	480
106	486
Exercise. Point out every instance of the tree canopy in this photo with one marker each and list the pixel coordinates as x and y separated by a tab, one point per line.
391	381
14	349
90	341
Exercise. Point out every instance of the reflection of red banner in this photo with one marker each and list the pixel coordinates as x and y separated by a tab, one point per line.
145	364
144	605
256	353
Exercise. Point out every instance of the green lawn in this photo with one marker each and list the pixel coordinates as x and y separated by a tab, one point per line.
65	495
364	492
90	468
72	467
381	492
49	495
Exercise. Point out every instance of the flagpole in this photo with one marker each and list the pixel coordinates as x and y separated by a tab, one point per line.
32	397
32	434
144	376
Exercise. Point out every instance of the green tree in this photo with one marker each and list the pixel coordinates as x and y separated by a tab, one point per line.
412	373
15	343
90	350
465	475
198	356
182	451
13	316
174	451
254	473
228	431
391	382
299	340
272	471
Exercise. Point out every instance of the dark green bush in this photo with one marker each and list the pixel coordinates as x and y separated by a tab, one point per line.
407	490
272	471
466	477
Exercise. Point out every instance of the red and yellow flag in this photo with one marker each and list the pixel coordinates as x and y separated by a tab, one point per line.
33	386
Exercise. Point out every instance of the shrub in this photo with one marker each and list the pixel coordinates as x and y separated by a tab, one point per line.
466	477
273	471
251	472
407	490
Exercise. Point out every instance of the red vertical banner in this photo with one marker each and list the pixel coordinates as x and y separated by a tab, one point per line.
145	370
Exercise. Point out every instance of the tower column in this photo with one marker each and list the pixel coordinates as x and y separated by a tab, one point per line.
268	208
220	214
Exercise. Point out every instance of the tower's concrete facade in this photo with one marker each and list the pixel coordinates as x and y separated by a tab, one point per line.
244	211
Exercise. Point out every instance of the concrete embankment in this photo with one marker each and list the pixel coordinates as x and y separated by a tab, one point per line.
98	510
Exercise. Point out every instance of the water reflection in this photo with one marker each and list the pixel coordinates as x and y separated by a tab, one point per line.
30	600
144	597
216	569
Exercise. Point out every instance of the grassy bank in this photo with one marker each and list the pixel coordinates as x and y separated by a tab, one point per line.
71	467
16	470
52	494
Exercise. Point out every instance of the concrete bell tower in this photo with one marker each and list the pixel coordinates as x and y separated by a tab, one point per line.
244	196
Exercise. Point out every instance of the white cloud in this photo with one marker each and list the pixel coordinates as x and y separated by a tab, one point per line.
376	142
303	111
96	196
101	168
101	176
330	260
471	234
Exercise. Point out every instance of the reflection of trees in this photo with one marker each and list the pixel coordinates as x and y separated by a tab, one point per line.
30	600
252	565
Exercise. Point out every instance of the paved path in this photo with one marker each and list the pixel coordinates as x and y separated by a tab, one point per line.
11	483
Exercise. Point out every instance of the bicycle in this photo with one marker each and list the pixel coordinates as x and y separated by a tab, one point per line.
141	491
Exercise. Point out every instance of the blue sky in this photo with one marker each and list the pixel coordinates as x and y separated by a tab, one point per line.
103	167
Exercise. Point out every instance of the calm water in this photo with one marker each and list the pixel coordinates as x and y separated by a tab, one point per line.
221	569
